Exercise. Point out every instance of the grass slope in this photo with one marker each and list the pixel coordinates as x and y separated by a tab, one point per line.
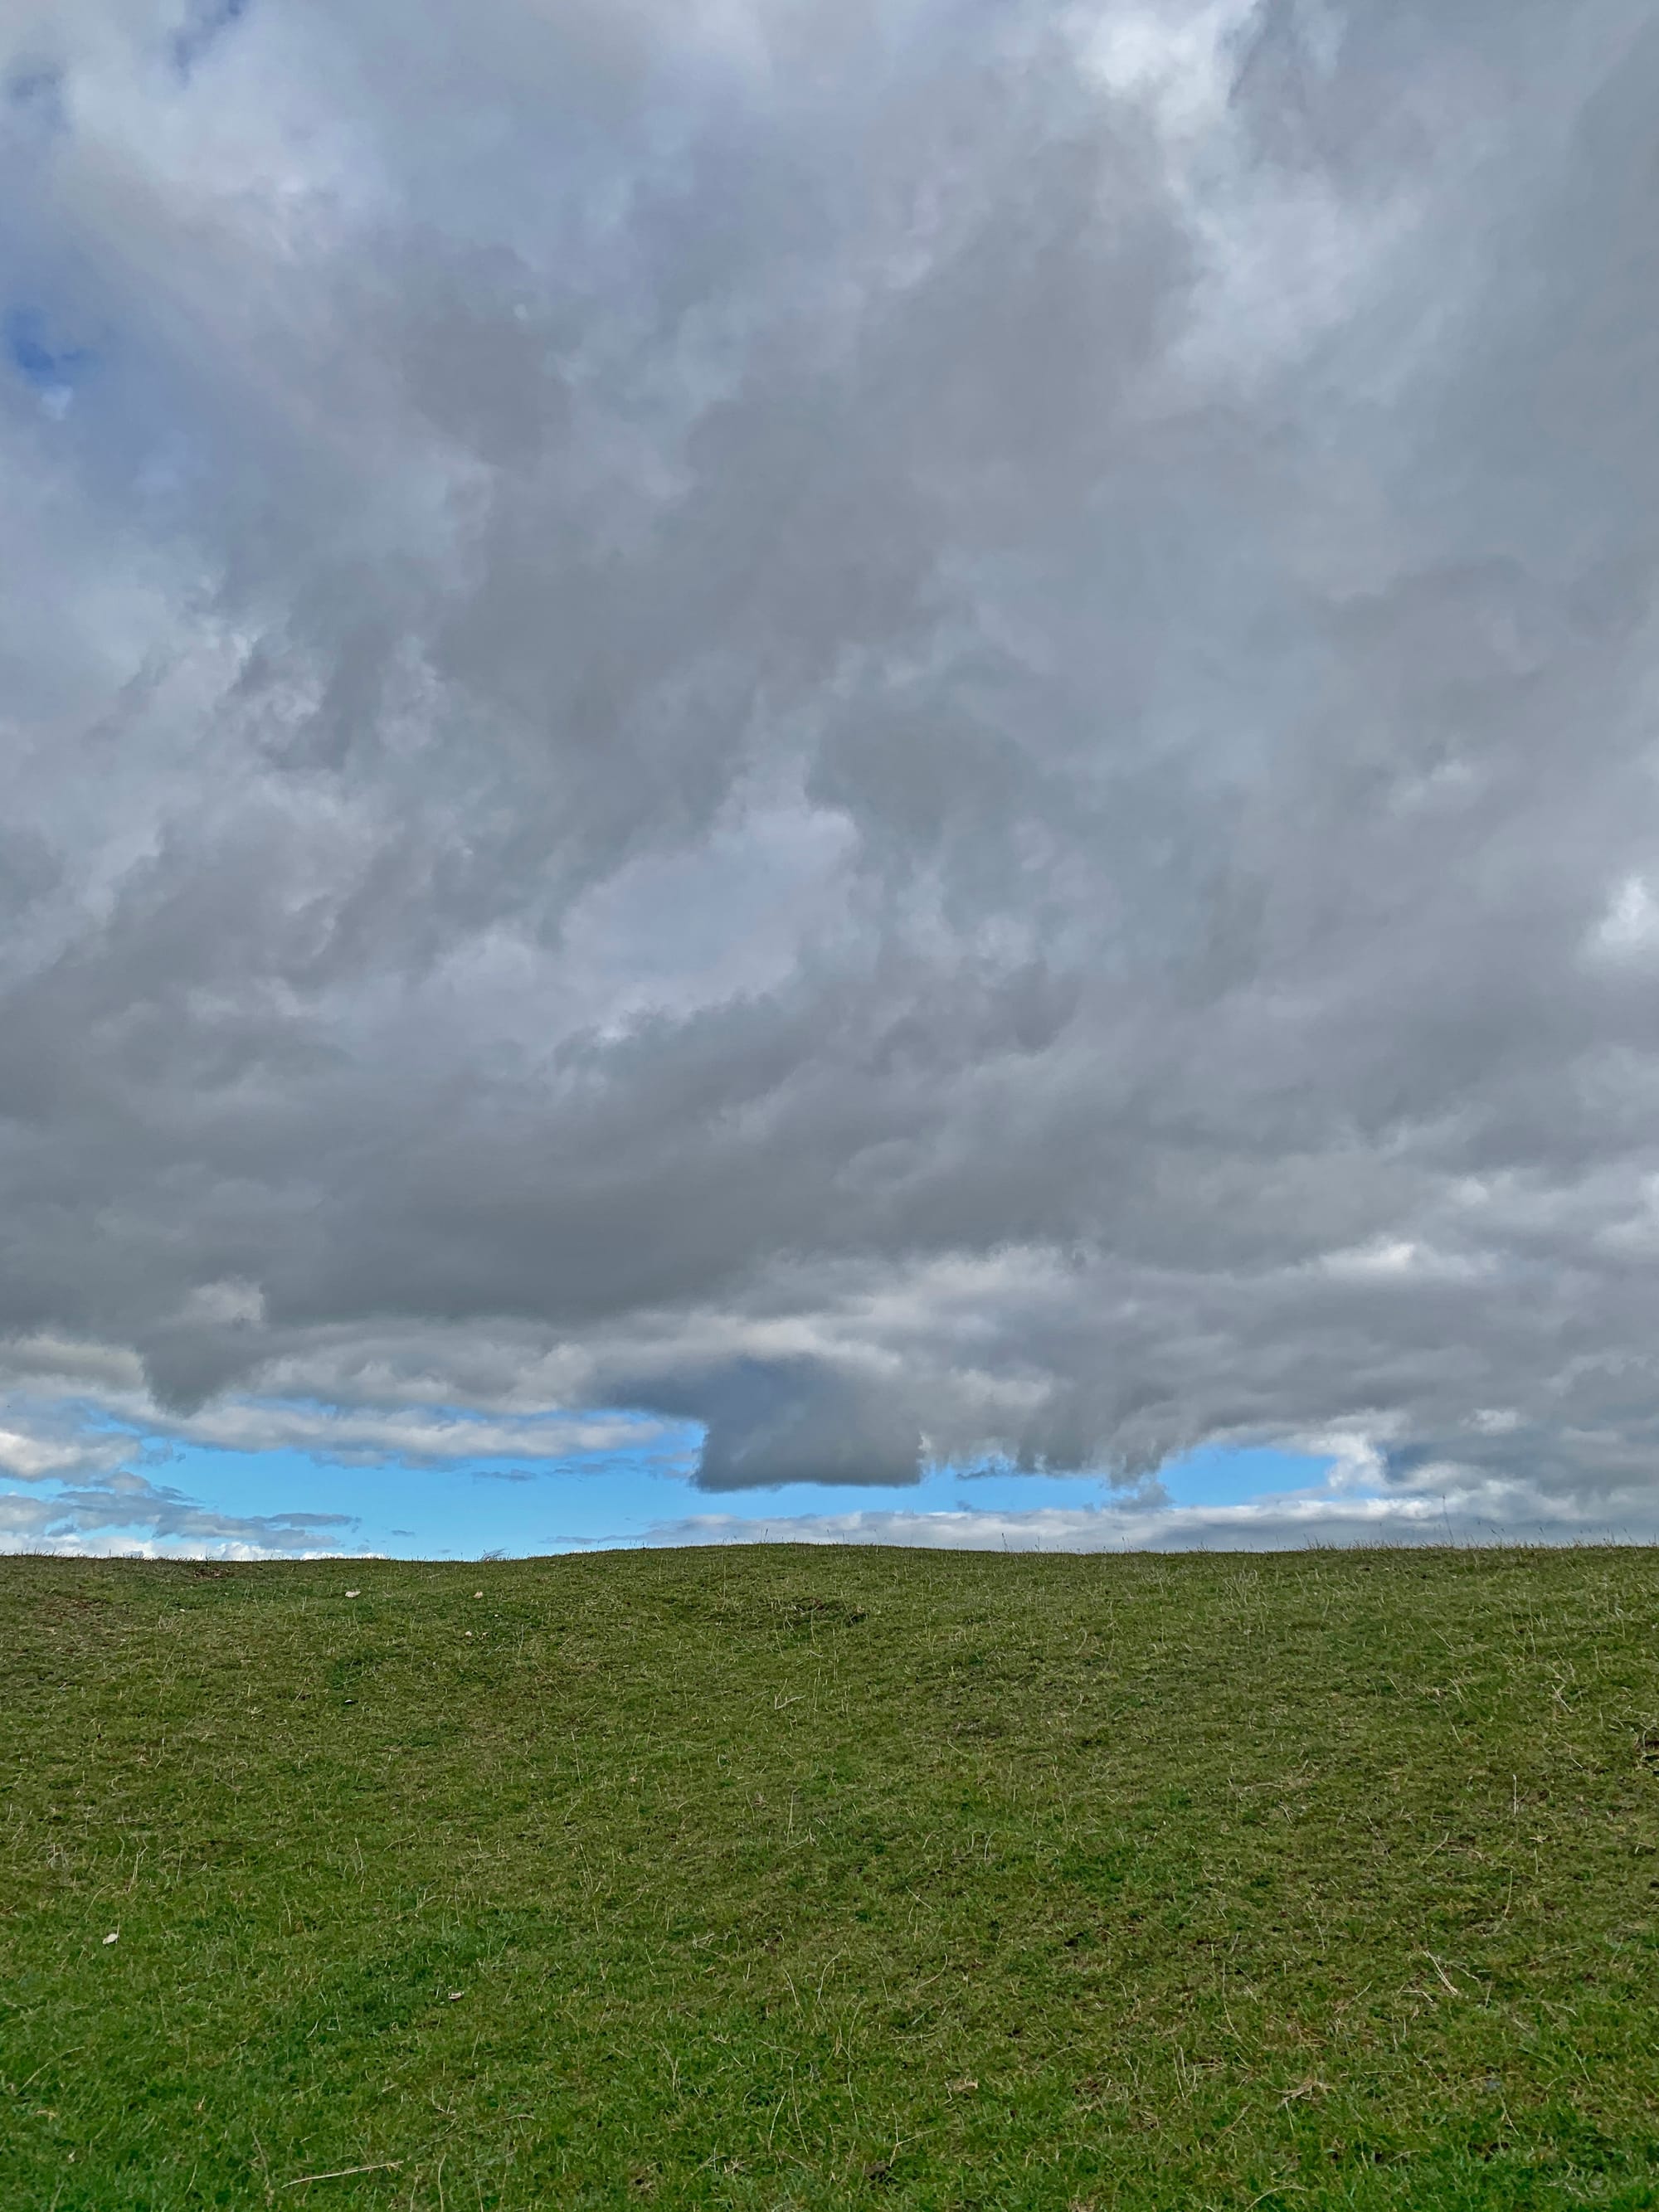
804	1878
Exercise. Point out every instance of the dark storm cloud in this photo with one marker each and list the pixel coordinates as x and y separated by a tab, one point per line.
923	732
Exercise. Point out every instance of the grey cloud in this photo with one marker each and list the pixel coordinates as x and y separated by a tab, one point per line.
880	730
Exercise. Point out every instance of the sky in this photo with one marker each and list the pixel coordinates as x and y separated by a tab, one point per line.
784	768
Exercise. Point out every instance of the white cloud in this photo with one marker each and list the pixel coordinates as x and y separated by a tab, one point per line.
116	1513
1176	58
1459	1513
1631	921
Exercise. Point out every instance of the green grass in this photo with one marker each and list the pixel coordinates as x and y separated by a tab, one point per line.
805	1878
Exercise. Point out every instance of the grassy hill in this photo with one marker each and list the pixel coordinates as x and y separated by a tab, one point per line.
802	1878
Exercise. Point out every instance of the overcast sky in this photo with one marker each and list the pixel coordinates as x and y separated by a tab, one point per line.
810	741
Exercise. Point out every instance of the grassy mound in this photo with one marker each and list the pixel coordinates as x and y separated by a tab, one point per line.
773	1878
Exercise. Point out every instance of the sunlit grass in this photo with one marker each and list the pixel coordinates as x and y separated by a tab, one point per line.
811	1878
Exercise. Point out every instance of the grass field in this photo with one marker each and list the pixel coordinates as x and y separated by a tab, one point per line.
807	1878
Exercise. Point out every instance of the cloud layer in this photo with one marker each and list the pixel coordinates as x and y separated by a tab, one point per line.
925	733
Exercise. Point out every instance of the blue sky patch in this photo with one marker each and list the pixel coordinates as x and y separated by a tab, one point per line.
467	1509
40	354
